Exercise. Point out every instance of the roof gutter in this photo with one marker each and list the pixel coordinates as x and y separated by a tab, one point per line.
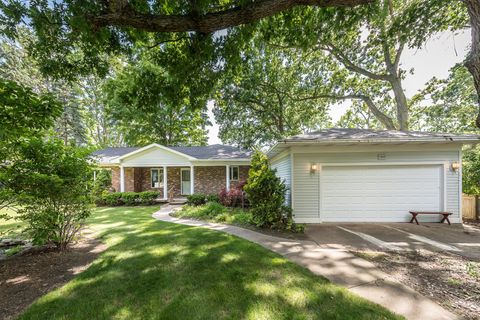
341	141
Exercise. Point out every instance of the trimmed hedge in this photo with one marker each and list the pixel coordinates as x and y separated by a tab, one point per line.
213	198
197	199
127	198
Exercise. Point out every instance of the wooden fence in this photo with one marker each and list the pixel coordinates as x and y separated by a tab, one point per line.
469	208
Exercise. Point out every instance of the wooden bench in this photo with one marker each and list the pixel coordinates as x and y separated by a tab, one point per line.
416	213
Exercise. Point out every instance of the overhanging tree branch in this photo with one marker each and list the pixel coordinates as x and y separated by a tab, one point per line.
340	56
121	14
382	117
398	55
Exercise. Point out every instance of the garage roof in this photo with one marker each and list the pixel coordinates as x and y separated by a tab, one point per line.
367	136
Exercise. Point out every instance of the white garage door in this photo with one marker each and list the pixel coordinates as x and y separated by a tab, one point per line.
379	193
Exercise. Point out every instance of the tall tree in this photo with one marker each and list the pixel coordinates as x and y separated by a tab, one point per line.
82	100
76	37
473	59
263	100
25	115
446	105
369	46
16	64
102	131
149	106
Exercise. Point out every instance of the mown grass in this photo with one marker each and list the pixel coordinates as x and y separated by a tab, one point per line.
159	270
10	227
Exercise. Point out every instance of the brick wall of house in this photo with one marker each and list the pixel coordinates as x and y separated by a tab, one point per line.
210	180
145	181
242	175
116	178
173	181
129	176
138	179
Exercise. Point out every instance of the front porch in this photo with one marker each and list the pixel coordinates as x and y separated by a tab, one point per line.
176	182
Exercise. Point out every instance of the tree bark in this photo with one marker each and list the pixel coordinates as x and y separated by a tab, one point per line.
119	13
401	102
473	59
395	79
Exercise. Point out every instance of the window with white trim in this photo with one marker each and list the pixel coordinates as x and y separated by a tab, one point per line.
156	178
234	173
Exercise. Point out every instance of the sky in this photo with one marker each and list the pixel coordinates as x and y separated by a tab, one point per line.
433	60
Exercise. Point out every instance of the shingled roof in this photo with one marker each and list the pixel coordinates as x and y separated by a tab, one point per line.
350	137
212	152
362	135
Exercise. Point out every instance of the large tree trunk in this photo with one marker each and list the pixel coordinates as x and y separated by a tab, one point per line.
473	59
120	13
401	103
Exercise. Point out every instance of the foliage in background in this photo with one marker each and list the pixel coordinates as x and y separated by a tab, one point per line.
264	99
50	183
150	106
471	171
361	47
363	53
102	183
266	195
447	105
82	120
24	113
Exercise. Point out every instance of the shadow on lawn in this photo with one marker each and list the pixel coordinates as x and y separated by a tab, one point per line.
25	278
158	270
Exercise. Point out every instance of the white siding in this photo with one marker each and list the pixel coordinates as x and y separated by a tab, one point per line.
155	156
283	167
306	190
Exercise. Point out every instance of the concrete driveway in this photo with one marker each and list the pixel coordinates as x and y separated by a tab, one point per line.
460	239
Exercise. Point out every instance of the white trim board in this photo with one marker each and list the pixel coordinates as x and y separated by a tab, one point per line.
154	145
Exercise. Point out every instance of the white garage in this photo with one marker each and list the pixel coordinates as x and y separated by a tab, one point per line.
379	193
353	175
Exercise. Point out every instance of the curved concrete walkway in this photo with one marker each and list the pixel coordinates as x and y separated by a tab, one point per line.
341	267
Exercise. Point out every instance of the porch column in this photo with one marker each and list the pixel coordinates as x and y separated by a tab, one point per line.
192	180
228	177
122	179
165	183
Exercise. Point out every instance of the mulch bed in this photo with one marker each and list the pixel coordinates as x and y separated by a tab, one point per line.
26	277
450	280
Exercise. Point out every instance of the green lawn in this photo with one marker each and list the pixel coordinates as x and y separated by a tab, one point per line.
158	270
10	228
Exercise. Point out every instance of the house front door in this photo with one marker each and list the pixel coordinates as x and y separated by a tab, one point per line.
185	181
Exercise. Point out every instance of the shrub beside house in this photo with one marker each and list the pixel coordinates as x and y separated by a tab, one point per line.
263	194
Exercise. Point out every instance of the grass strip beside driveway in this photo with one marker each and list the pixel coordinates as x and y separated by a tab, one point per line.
158	270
